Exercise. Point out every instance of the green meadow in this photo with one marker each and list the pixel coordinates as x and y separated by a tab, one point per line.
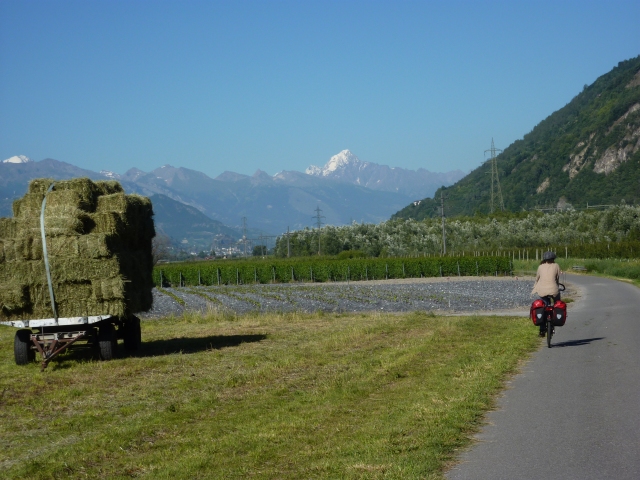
287	396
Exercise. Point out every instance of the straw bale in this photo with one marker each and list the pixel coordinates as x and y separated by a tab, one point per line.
120	202
108	289
8	227
99	247
109	187
30	248
72	299
86	191
27	206
109	223
96	245
14	298
40	185
57	226
17	250
72	269
22	273
70	198
59	202
63	269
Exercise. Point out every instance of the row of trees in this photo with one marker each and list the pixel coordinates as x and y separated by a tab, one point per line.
400	237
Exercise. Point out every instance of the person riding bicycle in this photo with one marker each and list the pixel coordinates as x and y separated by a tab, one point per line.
547	280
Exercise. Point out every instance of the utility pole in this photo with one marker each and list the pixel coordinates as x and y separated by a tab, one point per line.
288	247
444	235
495	179
318	218
244	234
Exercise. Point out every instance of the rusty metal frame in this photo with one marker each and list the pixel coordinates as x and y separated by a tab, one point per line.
50	350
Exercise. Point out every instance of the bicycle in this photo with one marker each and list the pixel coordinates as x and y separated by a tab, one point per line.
550	312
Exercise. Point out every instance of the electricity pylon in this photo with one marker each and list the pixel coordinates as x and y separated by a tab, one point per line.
318	218
495	179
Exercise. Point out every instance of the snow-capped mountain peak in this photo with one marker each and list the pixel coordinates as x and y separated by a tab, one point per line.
17	159
313	170
110	174
346	167
340	161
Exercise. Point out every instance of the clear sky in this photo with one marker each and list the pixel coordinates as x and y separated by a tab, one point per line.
278	85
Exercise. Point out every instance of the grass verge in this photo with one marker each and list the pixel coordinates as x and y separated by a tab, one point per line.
289	396
627	269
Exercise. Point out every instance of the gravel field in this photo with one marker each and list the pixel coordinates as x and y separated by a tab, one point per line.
462	294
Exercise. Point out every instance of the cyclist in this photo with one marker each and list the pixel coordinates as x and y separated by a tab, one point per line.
547	279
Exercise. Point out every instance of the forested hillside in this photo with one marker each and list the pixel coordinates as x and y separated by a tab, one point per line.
586	152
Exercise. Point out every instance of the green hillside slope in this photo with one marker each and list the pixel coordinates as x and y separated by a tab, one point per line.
586	152
188	227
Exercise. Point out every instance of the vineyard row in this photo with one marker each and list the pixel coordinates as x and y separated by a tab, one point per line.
325	270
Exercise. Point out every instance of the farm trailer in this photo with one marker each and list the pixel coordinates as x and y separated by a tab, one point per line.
50	336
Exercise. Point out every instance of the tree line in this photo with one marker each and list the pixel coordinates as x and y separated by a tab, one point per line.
596	231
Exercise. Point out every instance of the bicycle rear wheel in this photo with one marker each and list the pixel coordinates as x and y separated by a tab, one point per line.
549	333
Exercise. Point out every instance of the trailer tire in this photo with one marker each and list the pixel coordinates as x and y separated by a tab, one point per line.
132	334
107	342
22	351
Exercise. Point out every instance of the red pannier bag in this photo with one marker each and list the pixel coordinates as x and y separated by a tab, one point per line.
537	312
559	314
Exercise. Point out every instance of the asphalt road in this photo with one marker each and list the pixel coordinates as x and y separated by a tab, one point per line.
574	411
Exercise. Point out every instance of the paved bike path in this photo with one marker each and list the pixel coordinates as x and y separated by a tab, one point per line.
574	411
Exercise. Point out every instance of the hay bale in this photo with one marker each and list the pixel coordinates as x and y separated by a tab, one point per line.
8	227
15	298
109	187
108	289
99	249
83	189
57	226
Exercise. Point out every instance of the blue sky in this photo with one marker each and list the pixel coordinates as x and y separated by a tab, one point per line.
279	85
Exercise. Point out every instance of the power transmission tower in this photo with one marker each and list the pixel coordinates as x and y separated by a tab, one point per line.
495	178
244	234
318	218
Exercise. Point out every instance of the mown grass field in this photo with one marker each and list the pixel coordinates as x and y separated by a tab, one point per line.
341	396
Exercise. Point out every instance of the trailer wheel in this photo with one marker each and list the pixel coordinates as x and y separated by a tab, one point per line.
22	350
132	335
107	341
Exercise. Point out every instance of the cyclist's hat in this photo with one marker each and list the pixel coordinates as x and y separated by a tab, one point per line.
548	256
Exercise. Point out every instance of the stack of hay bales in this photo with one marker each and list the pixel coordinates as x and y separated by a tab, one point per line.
99	250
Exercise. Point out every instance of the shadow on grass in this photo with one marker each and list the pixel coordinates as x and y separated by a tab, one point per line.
155	348
193	345
577	343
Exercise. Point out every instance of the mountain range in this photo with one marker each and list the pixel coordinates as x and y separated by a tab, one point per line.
346	167
270	204
585	154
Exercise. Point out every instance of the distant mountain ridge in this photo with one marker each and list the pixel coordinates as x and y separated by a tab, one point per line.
586	153
347	167
271	204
